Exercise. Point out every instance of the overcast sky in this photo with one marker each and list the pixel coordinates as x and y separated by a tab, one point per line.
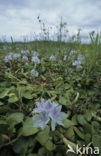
19	17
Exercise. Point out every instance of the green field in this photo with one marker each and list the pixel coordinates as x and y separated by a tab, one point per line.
66	74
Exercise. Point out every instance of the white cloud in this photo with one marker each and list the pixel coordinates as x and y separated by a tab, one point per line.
18	18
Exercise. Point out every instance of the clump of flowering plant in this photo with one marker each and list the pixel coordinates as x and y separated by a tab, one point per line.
48	111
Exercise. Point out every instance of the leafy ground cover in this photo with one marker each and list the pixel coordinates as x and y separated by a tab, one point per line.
65	80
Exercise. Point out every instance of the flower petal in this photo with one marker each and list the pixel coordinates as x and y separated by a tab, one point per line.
53	123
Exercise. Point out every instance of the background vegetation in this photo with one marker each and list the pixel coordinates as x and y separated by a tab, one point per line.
77	89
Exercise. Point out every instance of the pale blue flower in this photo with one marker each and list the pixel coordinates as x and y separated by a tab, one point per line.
34	73
41	119
64	58
52	57
64	50
73	52
25	52
11	53
54	111
8	58
24	58
49	105
5	47
47	111
77	63
40	106
57	117
16	56
81	58
35	59
35	53
22	51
